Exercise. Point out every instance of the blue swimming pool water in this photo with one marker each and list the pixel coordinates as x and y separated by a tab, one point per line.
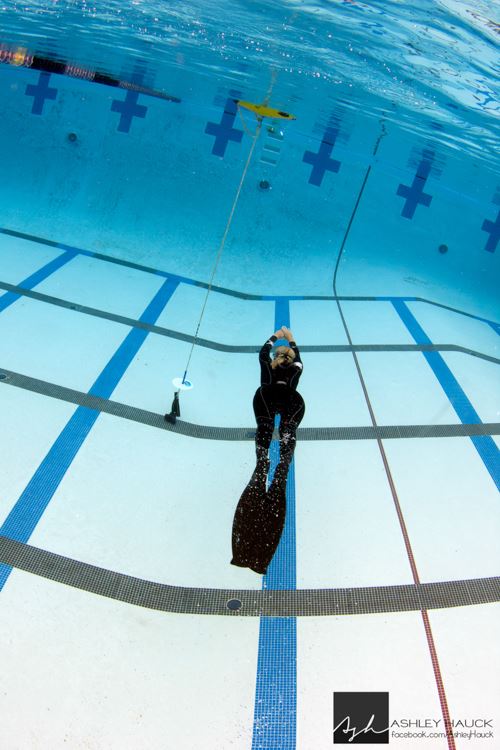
384	190
449	44
429	66
411	90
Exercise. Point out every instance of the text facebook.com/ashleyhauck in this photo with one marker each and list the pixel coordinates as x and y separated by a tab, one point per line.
363	719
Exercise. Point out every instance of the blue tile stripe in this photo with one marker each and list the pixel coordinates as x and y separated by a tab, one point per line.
44	241
281	312
275	718
221	290
43	273
282	570
484	444
275	711
28	510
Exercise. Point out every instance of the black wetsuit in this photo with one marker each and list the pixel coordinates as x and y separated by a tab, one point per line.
278	395
259	518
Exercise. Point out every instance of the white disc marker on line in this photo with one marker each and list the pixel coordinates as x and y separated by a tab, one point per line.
182	385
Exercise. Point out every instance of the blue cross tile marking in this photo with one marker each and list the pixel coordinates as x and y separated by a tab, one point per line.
128	109
224	131
493	227
322	161
40	91
484	444
275	710
415	194
31	505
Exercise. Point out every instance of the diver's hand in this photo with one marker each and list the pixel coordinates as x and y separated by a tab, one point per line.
287	333
279	334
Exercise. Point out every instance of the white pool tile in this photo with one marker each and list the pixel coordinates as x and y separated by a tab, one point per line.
347	526
55	344
90	672
317	322
450	506
30	424
469	653
214	400
21	258
480	381
225	384
226	320
364	653
332	391
105	286
159	506
375	323
447	327
404	390
151	504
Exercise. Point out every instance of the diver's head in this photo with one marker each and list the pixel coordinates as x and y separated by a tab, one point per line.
283	357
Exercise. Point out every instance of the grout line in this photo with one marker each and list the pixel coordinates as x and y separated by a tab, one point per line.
254	603
208	432
29	508
224	290
485	446
208	344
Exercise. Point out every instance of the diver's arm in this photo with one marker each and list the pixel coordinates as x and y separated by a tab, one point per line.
297	360
291	341
265	360
296	365
264	352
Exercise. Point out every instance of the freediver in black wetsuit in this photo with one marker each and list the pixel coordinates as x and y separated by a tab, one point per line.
260	515
278	395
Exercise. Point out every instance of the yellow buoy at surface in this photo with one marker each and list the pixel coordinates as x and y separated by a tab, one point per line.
262	110
19	56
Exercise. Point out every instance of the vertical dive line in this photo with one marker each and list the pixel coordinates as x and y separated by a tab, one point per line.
382	133
223	241
411	559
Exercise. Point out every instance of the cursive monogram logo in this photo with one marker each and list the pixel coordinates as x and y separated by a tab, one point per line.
354	730
361	718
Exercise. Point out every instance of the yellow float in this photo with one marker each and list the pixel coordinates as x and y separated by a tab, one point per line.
262	110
